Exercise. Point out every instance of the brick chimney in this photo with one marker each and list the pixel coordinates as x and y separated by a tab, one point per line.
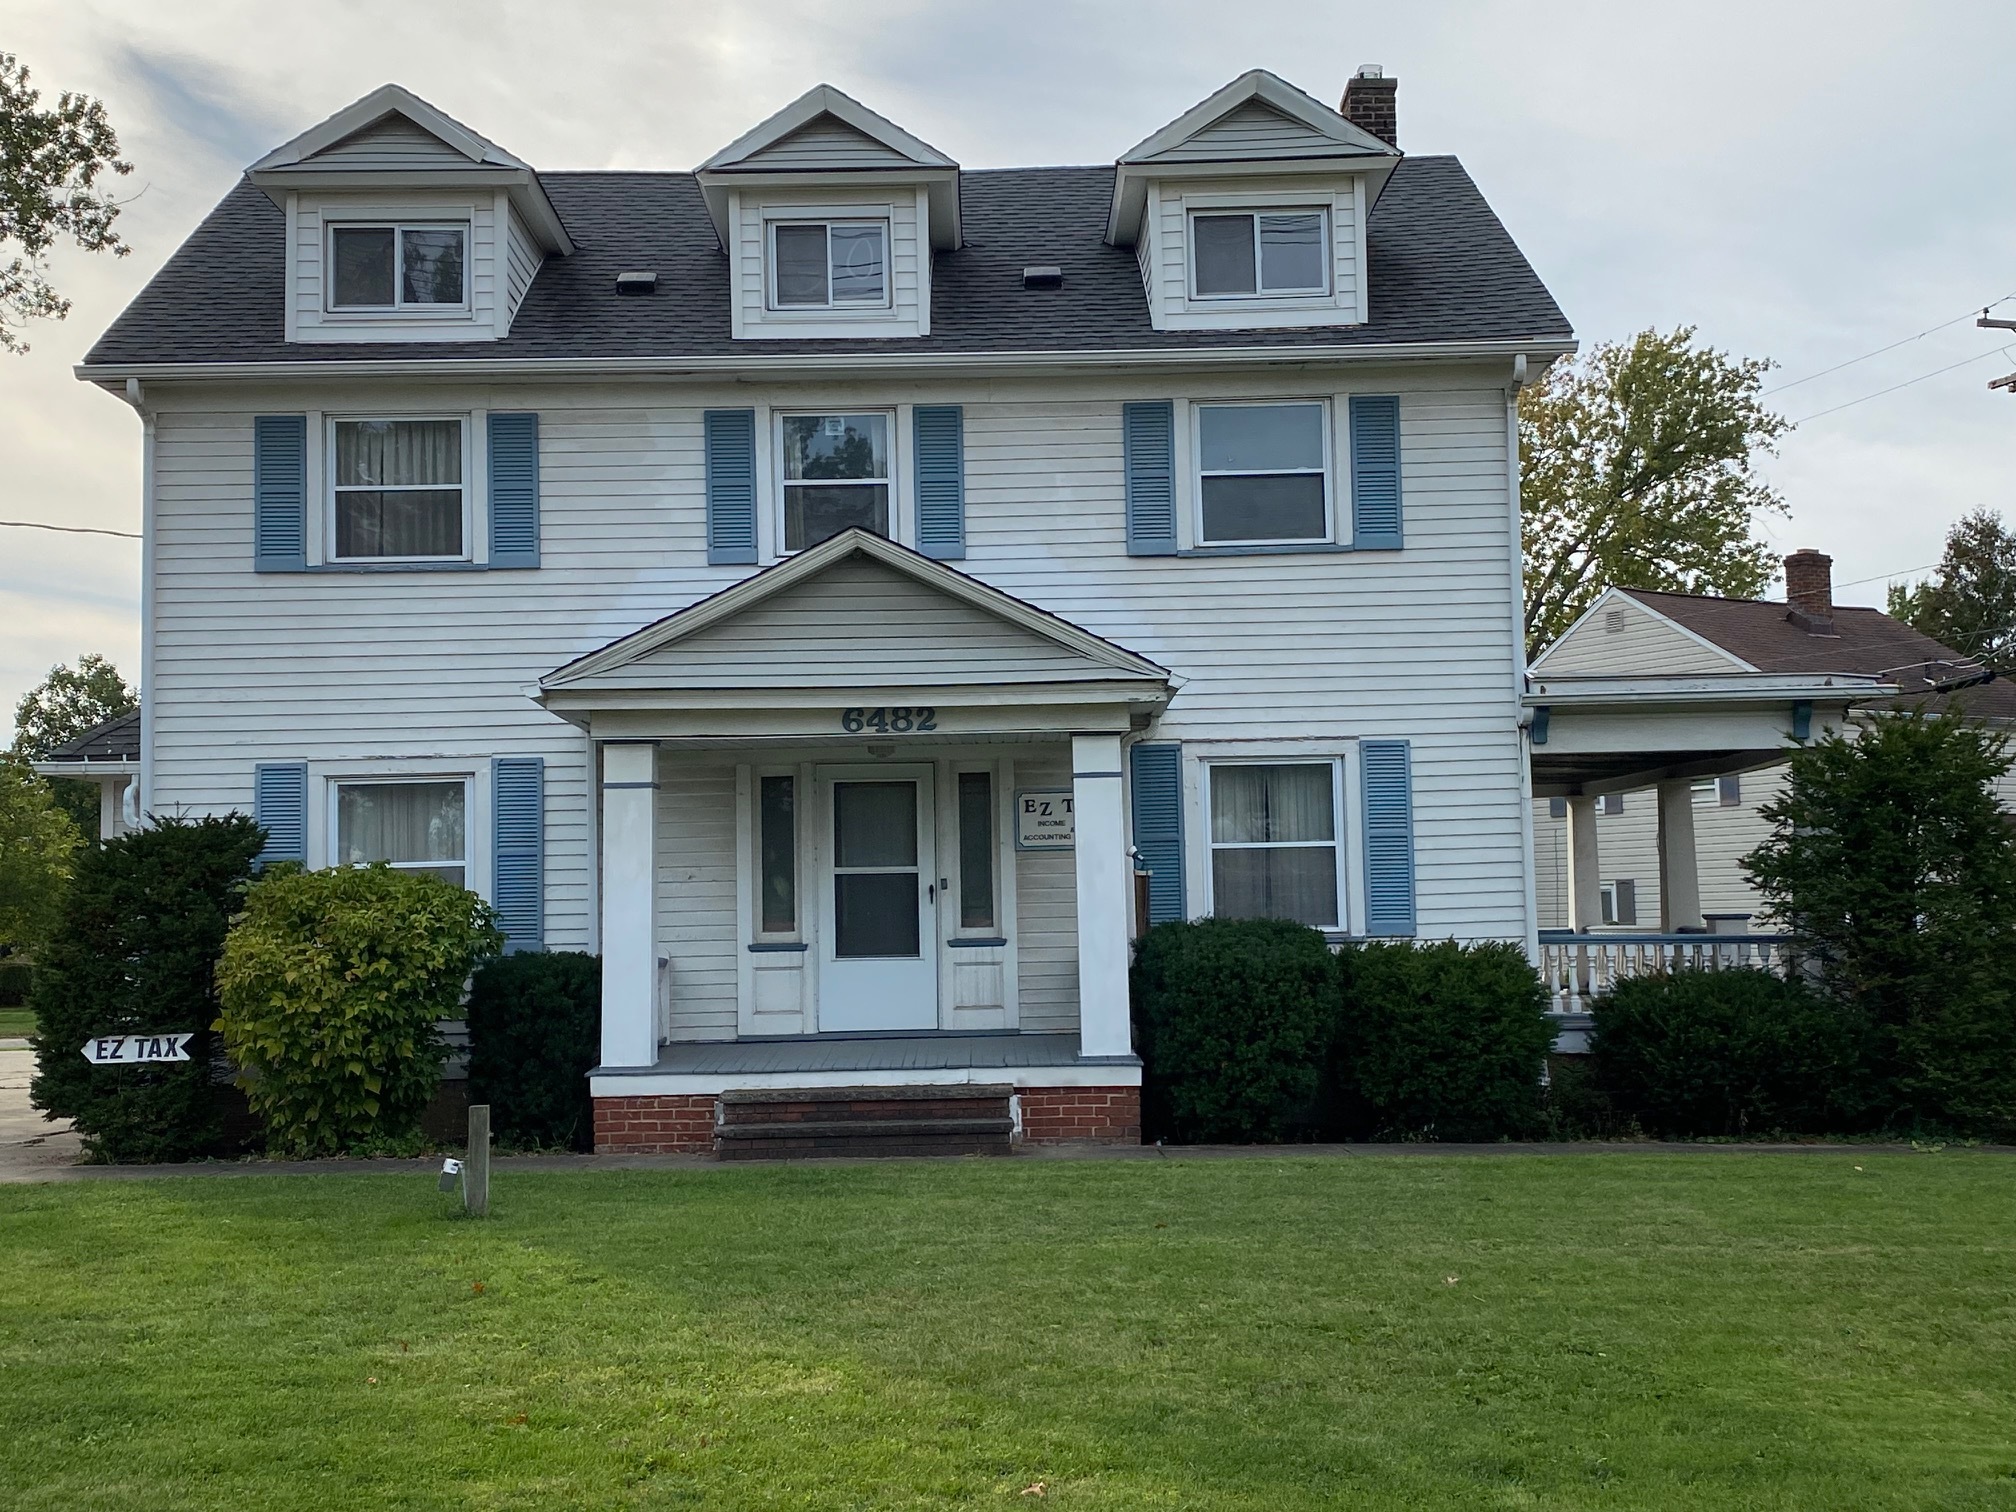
1368	103
1809	589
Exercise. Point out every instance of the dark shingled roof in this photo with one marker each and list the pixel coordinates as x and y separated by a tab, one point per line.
1442	269
1865	641
118	739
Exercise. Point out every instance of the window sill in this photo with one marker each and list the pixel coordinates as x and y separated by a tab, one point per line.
977	942
1265	548
765	947
399	567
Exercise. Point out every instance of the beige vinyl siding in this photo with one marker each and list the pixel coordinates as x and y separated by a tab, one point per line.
1046	917
392	145
1645	645
825	143
1253	130
697	931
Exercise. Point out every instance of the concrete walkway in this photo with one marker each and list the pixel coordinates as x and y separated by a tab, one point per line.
31	1148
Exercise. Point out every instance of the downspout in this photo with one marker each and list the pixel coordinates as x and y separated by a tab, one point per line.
140	793
1517	586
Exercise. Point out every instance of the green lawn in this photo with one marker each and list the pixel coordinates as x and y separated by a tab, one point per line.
16	1023
1702	1332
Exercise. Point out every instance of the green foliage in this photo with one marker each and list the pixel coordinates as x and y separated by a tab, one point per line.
1232	1018
1636	469
1970	603
38	848
331	984
1894	865
50	164
134	953
535	1019
17	980
1693	1053
1440	1041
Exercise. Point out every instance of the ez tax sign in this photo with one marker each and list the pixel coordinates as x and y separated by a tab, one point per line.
138	1049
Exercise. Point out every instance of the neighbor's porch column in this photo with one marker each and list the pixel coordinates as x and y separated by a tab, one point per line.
1103	879
1679	871
1585	870
629	871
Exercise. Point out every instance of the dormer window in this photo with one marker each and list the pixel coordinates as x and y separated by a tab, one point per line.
1263	253
397	267
819	265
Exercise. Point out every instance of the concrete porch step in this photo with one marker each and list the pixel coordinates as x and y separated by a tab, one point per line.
797	1123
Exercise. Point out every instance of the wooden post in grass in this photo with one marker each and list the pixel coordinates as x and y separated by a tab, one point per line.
476	1166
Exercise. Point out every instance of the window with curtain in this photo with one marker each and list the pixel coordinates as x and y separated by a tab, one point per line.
397	267
777	859
822	264
836	476
1252	253
1261	473
398	489
413	826
1274	842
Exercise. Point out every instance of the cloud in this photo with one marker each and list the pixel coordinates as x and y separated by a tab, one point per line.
197	102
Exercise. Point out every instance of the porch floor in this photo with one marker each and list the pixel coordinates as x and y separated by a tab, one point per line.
1001	1051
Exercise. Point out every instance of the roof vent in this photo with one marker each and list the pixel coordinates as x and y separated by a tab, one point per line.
636	283
1045	277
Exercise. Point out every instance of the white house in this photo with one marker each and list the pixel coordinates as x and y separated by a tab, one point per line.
822	582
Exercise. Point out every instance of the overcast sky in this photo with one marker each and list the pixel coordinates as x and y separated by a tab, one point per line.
1803	181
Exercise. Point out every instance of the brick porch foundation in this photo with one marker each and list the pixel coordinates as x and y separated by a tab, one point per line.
1055	1115
682	1125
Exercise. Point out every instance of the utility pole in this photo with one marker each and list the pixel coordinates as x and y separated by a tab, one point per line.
2007	380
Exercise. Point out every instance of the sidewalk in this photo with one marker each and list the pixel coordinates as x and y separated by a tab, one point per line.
31	1148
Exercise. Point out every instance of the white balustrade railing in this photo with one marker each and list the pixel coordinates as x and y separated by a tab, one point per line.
1580	967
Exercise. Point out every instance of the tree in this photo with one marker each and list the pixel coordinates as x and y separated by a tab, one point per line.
51	162
64	705
37	844
1636	470
1894	867
1970	604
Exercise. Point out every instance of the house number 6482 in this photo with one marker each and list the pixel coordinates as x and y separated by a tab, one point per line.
904	721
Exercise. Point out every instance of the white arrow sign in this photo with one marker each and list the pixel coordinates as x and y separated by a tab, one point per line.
138	1049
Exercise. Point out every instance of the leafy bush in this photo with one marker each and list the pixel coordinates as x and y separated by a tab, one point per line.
17	981
134	952
332	982
1441	1041
38	854
1731	1052
1894	865
1232	1018
534	1034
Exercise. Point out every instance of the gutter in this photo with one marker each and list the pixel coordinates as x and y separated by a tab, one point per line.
849	364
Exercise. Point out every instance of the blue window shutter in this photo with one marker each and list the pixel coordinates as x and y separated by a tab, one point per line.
941	480
1389	837
1375	472
514	490
731	486
518	850
1158	827
280	807
279	493
1149	440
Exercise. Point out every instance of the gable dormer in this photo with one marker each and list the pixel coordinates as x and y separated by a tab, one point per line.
405	225
828	214
1248	211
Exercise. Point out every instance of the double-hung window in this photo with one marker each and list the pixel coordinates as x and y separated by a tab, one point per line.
412	826
829	264
835	476
1274	852
397	490
1259	254
398	267
1262	472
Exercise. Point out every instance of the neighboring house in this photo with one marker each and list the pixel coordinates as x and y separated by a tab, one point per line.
817	583
1630	631
109	757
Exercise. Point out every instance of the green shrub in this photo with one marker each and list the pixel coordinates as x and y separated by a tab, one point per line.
17	981
1440	1041
1743	1051
134	951
534	1034
1232	1019
332	983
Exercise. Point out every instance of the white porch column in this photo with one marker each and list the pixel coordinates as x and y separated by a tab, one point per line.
1679	871
629	870
1103	880
1585	867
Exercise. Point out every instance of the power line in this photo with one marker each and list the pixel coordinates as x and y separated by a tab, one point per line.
71	529
1982	309
1963	362
1886	576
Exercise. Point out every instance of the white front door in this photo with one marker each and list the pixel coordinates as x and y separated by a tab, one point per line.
878	899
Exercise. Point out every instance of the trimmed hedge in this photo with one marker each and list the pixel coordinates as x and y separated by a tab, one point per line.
1733	1052
535	1021
17	982
133	952
1232	1018
1440	1041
